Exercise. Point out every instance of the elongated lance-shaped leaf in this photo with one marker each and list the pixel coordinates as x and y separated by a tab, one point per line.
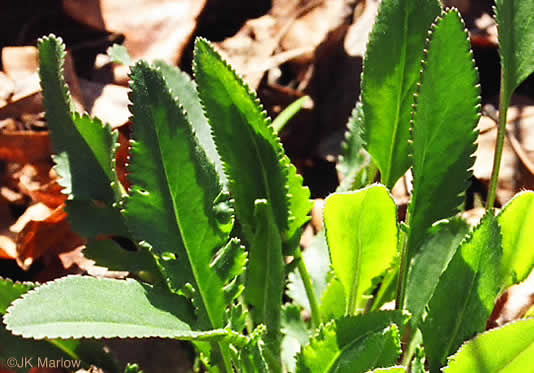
361	231
184	89
87	307
515	19
353	344
508	349
252	155
517	224
427	266
446	113
175	202
465	295
265	275
83	145
390	73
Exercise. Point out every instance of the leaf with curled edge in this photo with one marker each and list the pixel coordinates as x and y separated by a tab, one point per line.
176	205
87	307
390	74
445	117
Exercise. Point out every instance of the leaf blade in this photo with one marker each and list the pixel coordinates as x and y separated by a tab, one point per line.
446	112
173	201
466	293
517	221
515	21
393	67
361	232
60	309
504	350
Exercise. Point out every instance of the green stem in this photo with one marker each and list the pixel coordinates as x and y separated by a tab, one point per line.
314	305
289	112
403	269
504	102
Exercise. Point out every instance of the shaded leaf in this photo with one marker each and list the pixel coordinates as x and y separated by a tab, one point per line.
71	307
185	91
516	37
361	231
517	224
296	335
265	275
503	350
333	303
236	117
317	260
353	158
175	198
92	219
390	74
109	254
83	145
427	266
466	293
10	290
445	116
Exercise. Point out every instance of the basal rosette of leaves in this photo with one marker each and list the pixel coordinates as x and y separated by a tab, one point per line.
216	210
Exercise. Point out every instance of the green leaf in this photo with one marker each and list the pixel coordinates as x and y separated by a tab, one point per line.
10	290
251	152
109	254
173	203
265	275
361	231
354	344
427	266
515	20
185	91
296	335
132	368
517	224
317	261
446	113
390	370
119	54
390	74
503	350
12	346
83	145
87	307
289	112
466	293
354	159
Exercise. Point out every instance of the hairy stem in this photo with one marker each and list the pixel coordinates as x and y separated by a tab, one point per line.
504	102
312	299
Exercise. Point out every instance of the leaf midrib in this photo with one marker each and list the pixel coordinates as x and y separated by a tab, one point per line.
178	221
400	96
